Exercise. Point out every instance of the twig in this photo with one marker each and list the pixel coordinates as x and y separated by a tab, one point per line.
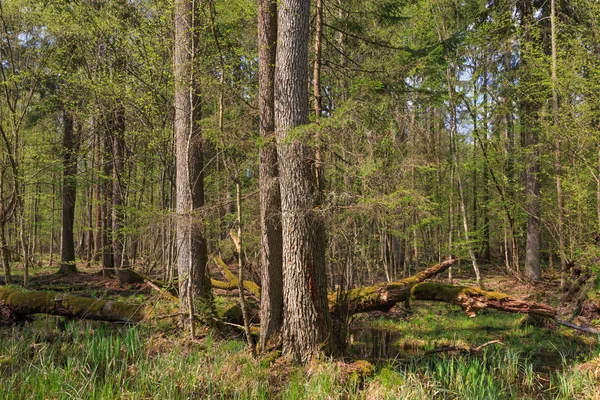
161	291
463	348
577	327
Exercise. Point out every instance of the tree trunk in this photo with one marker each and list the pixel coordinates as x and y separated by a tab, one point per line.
307	323
107	187
191	244
67	244
557	155
4	251
529	111
120	260
271	307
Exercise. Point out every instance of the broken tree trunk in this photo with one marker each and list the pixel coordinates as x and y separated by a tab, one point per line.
16	304
472	299
385	295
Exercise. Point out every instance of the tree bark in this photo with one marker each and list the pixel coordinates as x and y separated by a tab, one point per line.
557	152
67	244
191	244
307	323
118	192
271	307
107	187
529	111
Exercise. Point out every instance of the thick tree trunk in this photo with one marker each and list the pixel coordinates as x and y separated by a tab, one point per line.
67	244
271	307
307	323
191	244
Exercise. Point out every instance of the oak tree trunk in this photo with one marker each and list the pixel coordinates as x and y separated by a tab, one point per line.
307	323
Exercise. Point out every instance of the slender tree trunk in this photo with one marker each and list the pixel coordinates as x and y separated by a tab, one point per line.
461	196
107	247
529	111
271	307
51	256
98	199
23	241
317	100
4	253
240	249
307	323
67	246
191	244
118	190
557	153
33	247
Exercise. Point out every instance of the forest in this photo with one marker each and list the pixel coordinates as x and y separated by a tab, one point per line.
300	199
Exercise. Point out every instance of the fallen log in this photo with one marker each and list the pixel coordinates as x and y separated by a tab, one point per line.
16	303
472	299
385	295
20	303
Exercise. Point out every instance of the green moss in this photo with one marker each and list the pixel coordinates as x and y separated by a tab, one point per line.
125	310
82	305
449	292
27	300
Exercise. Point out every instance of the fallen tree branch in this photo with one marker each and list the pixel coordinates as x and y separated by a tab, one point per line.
476	349
162	291
577	327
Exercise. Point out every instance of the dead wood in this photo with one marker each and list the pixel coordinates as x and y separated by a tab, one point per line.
472	299
385	295
19	303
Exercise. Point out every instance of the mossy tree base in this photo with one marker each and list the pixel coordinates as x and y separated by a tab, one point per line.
67	268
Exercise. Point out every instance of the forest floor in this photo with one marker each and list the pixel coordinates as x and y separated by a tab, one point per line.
431	351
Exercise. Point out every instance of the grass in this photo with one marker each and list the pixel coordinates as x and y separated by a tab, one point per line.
53	358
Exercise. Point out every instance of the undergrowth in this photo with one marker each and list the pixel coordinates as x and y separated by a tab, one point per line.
59	359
